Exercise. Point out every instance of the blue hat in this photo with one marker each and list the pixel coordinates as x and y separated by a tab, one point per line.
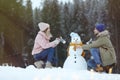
100	27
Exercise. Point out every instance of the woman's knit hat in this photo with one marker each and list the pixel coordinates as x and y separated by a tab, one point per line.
43	26
100	27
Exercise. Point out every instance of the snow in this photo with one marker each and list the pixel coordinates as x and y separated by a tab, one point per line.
32	73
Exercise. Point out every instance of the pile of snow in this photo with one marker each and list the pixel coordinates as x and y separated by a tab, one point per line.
32	73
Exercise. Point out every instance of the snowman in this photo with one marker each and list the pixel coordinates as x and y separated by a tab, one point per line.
75	60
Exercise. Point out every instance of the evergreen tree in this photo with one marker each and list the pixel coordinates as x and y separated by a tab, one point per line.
28	13
66	20
50	14
37	16
36	19
80	23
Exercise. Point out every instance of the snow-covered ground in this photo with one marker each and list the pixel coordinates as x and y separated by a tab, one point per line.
31	73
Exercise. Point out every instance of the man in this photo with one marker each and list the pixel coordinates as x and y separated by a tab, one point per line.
101	49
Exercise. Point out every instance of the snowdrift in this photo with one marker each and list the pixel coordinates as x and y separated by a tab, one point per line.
32	73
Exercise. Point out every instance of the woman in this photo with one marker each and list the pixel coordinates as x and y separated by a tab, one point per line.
43	50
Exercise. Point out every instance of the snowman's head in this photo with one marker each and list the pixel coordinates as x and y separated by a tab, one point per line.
75	38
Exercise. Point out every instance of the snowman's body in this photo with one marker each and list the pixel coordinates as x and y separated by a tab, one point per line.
75	60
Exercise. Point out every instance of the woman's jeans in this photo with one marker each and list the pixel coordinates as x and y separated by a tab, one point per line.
46	55
96	58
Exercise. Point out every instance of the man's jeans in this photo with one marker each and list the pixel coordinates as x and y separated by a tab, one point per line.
96	58
46	55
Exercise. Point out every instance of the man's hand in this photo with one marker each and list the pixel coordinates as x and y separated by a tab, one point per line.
78	46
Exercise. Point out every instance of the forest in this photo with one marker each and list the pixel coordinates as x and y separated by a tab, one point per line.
19	26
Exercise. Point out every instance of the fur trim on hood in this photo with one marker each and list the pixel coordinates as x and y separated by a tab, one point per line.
104	33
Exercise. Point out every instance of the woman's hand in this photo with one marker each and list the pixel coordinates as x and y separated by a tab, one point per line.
57	41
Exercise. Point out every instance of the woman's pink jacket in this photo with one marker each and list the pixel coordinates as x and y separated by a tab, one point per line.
42	42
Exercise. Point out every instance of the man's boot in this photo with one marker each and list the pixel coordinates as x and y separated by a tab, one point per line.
39	64
99	68
48	65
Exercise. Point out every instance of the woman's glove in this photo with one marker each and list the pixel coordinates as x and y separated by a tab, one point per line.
57	41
